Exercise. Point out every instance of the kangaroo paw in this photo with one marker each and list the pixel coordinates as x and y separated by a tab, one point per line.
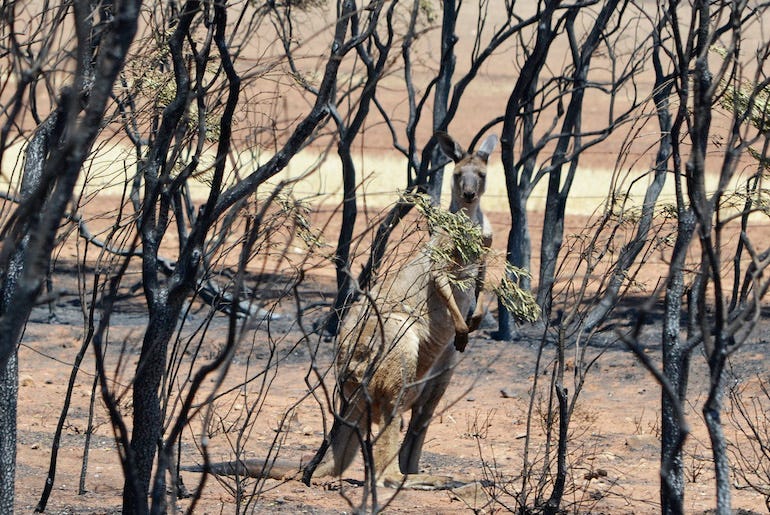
475	321
461	341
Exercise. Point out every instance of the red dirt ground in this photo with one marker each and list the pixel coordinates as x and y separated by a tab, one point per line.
478	436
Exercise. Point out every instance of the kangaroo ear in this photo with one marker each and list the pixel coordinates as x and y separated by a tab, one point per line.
487	147
449	146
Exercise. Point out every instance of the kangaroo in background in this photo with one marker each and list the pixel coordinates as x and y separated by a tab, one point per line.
395	351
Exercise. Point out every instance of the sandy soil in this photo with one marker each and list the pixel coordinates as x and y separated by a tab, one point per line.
479	436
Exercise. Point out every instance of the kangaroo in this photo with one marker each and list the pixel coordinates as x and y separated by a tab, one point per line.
395	352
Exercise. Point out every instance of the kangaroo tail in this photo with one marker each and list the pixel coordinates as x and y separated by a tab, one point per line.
278	469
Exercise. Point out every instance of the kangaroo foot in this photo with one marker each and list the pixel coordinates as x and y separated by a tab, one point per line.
420	482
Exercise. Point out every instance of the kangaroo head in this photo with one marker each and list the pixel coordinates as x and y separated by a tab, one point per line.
469	176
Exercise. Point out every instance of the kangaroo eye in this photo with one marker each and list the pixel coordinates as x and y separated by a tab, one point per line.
483	175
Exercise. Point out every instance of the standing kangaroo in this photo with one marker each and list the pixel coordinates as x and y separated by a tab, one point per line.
395	351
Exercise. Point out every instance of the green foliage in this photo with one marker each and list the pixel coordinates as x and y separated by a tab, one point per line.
302	5
518	301
428	10
147	76
461	242
297	213
754	102
763	160
759	198
746	98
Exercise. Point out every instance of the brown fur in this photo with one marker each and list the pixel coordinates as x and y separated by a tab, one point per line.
395	353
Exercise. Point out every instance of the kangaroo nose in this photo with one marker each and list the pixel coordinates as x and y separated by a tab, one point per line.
469	195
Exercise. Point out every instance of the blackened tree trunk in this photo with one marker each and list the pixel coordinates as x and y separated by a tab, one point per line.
632	249
47	134
675	357
342	254
705	205
443	88
519	178
166	297
570	136
676	364
9	388
147	430
55	158
518	253
347	135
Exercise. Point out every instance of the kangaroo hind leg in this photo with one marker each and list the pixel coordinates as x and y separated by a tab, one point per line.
344	440
386	461
423	410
